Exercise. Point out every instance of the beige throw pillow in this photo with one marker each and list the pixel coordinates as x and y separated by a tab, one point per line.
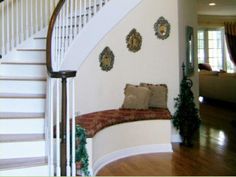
136	97
158	98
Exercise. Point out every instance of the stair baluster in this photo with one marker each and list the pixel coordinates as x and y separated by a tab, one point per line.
68	19
21	19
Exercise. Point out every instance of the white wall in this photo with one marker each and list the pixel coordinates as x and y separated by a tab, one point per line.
188	17
157	62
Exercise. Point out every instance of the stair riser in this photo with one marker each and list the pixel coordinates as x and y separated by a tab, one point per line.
22	87
22	70
33	171
22	105
22	126
22	149
34	44
23	55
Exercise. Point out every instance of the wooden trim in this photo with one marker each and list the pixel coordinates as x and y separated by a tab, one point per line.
49	35
51	73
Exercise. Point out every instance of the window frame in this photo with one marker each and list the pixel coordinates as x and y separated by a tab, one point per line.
206	45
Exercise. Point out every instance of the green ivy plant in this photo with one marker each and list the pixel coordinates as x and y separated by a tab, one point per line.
81	154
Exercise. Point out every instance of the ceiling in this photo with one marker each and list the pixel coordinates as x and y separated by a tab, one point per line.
223	7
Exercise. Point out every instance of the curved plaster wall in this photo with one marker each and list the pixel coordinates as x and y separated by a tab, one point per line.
156	62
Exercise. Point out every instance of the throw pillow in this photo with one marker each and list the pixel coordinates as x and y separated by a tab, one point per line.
158	98
136	97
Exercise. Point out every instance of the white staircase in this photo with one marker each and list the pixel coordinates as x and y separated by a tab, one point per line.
22	102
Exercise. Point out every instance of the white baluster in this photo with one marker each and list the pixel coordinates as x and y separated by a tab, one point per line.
58	26
36	16
73	128
8	27
89	9
76	17
67	25
68	169
71	20
41	14
51	125
27	19
63	30
12	25
31	18
57	35
46	11
58	165
17	23
95	7
51	6
22	19
3	29
80	15
100	4
85	12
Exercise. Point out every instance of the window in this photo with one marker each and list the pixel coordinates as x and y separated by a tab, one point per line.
201	52
212	49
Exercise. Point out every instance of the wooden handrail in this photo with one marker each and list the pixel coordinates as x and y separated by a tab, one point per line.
51	73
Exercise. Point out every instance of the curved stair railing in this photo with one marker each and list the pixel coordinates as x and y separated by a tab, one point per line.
68	19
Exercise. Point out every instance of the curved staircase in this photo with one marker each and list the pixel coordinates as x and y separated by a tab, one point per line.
30	74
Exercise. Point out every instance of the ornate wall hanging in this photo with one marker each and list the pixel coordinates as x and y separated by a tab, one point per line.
134	41
106	59
162	28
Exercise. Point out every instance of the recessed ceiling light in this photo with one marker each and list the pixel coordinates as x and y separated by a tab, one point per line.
212	4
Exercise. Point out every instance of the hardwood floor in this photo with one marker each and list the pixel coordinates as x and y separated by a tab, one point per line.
214	151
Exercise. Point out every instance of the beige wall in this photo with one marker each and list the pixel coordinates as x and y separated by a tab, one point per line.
156	62
214	21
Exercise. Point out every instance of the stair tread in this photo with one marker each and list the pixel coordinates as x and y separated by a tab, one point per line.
22	95
40	38
32	50
21	115
24	78
25	62
22	162
21	137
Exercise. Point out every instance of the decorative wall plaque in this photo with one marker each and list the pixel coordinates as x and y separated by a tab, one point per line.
134	41
106	59
162	28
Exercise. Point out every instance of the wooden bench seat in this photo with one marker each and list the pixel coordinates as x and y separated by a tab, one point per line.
94	122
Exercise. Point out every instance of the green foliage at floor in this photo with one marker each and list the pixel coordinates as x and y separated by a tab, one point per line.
81	154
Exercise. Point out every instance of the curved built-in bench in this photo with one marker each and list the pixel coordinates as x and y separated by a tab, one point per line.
114	134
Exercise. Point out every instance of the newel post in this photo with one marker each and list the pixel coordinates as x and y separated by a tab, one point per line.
63	126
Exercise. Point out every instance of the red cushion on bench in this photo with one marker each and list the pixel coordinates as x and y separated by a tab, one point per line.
94	122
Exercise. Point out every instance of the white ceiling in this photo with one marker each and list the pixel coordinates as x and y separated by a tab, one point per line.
223	7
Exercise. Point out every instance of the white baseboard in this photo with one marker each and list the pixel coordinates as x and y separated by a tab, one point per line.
145	149
176	138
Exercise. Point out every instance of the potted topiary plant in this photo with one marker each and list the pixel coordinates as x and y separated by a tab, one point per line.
186	118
